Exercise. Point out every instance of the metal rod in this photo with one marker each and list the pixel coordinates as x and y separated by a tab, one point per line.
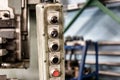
97	60
18	52
24	29
24	20
104	63
109	43
82	64
108	73
111	53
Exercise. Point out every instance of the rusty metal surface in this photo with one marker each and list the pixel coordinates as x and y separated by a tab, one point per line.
7	23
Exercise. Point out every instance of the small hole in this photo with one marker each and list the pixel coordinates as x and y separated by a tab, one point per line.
6	15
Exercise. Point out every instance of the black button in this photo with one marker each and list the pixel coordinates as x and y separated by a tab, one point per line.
54	20
6	15
55	47
55	60
54	34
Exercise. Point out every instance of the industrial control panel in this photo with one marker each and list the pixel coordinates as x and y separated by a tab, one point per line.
50	40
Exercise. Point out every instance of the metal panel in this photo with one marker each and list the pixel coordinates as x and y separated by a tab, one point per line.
33	1
51	16
16	4
32	72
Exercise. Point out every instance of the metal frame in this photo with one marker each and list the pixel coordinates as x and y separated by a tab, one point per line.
84	54
82	64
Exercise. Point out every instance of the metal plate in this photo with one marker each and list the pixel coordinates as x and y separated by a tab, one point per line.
7	23
33	1
16	5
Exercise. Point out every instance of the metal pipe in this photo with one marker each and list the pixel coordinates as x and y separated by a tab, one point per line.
24	29
109	73
82	64
24	17
18	41
97	61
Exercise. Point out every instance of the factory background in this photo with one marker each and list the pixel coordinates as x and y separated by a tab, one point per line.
92	24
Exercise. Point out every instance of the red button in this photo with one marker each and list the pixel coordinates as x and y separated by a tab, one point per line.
56	73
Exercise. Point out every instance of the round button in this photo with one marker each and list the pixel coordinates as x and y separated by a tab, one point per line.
56	73
54	34
54	20
55	47
55	60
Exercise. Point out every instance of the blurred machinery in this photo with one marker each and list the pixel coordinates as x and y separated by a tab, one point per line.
14	37
14	49
76	50
76	68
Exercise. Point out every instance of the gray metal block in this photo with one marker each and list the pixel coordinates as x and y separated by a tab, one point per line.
10	34
33	1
